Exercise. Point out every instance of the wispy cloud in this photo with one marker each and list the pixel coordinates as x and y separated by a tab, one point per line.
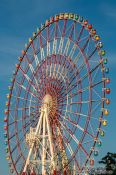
109	10
10	49
112	14
112	60
10	44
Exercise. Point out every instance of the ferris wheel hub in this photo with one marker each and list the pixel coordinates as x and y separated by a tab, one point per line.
50	103
47	100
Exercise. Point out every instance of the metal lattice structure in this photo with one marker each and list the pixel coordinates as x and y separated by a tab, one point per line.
58	100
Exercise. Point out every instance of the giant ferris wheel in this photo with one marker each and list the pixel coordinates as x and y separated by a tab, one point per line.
57	101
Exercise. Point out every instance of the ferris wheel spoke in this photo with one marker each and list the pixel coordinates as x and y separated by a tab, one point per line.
54	46
76	125
72	122
14	134
68	146
17	160
20	141
90	71
25	108
71	151
54	71
82	39
75	85
43	146
42	51
87	142
25	99
80	33
93	78
36	115
23	87
96	93
34	112
66	47
59	30
69	29
48	49
86	43
87	49
77	102
92	128
20	84
89	134
34	49
64	28
17	157
28	79
76	59
36	58
85	88
81	68
80	114
62	74
61	44
56	29
75	34
84	150
79	53
42	38
52	32
72	51
78	162
81	79
93	52
70	133
95	108
10	124
62	70
36	45
97	83
32	69
48	33
74	138
72	31
27	124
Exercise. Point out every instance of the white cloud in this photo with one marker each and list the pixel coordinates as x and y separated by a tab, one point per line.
10	49
111	60
10	44
109	10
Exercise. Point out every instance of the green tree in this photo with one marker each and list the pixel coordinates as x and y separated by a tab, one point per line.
110	163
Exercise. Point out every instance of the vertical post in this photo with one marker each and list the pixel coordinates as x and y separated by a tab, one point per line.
43	150
31	149
50	138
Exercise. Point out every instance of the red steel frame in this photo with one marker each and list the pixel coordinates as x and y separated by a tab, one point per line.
57	88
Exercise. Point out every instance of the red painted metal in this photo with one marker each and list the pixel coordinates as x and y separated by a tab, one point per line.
72	89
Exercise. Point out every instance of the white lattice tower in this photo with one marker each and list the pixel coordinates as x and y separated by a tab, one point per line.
41	135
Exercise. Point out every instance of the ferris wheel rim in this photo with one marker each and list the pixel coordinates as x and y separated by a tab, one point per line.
89	74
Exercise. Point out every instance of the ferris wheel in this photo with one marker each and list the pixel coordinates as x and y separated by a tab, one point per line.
57	101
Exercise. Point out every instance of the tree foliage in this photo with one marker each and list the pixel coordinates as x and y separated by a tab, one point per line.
109	162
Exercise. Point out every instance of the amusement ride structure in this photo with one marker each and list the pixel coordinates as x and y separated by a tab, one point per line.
57	101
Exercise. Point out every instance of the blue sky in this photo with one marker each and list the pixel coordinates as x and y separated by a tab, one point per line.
18	19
